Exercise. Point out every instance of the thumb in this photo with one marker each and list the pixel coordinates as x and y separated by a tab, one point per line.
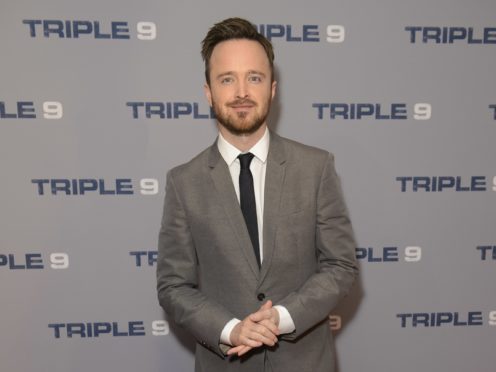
266	305
261	314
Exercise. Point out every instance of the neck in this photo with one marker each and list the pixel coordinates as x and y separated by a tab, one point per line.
242	142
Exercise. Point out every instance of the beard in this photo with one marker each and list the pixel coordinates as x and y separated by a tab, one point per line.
239	123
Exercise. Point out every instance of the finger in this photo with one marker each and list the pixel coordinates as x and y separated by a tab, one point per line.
262	334
251	343
237	349
244	350
252	337
263	310
266	305
252	334
261	315
257	340
271	326
255	335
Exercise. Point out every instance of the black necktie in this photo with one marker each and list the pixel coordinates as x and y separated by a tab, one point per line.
247	201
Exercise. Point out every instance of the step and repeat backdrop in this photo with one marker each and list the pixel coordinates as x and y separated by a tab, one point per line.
98	99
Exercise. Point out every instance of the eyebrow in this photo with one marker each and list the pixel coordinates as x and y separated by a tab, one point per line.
224	74
250	72
256	72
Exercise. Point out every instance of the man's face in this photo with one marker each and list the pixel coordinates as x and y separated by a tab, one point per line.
241	89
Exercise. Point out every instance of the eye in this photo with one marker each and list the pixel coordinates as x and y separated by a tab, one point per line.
226	80
255	79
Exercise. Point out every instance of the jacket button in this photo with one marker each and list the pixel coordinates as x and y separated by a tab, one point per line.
261	296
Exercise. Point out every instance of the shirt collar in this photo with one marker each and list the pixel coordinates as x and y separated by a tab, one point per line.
230	153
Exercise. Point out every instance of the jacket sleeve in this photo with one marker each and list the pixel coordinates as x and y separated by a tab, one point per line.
177	276
335	252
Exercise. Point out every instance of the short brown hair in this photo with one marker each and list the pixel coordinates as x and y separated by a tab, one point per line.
233	28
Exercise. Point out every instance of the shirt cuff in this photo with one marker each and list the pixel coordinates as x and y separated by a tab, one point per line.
286	324
225	336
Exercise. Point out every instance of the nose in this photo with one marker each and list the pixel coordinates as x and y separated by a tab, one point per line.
242	91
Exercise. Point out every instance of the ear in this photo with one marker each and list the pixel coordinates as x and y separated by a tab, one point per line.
273	89
208	94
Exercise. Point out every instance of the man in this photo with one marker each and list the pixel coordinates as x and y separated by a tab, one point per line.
255	247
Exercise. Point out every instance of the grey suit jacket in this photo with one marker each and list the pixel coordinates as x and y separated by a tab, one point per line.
207	272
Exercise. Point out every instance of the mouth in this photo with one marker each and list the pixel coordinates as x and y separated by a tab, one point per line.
242	110
242	105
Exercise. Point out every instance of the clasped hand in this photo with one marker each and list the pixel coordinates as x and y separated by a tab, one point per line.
257	329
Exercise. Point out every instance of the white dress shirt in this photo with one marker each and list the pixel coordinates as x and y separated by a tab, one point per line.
258	167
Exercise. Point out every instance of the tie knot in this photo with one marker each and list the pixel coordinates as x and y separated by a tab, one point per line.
245	160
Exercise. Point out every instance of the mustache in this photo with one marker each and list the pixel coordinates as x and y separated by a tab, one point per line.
241	102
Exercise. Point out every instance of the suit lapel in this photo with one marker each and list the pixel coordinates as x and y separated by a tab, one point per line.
274	181
226	193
